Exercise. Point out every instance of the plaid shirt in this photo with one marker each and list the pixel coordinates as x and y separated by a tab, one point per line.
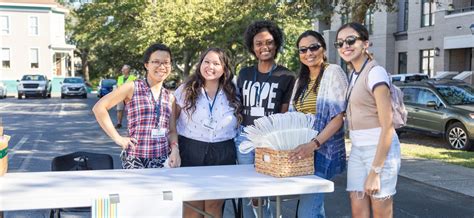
142	119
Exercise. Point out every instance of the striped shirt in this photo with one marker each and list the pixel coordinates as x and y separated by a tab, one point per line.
307	101
142	119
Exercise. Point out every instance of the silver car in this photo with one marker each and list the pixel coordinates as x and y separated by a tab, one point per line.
441	107
73	86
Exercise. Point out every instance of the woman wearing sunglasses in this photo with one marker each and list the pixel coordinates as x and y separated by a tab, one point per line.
320	90
375	155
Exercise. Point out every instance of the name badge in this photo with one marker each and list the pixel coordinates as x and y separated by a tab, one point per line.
158	133
257	112
209	124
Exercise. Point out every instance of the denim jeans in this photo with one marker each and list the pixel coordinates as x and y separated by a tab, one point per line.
249	158
311	206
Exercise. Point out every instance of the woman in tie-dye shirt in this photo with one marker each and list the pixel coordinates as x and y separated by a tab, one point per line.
320	90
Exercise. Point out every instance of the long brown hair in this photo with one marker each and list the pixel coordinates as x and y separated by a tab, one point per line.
196	81
303	76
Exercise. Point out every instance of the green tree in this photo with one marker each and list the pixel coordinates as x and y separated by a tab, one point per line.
110	35
324	9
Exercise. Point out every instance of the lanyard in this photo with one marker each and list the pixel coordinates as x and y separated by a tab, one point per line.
303	97
157	104
211	106
264	82
350	80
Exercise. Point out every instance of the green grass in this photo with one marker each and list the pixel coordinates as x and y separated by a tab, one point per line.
463	158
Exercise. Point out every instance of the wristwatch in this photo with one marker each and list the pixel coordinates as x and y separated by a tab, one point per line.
377	170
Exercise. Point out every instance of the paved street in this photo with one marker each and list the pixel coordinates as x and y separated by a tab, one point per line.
44	128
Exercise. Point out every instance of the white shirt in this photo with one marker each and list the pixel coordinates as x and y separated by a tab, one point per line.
224	120
377	75
366	137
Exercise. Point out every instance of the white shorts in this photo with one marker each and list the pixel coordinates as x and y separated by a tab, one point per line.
120	106
360	162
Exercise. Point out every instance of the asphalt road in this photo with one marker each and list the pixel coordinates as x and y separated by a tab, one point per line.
44	128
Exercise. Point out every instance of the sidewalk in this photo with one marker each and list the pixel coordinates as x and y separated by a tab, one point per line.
438	174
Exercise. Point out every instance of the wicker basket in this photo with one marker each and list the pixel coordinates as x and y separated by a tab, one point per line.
275	163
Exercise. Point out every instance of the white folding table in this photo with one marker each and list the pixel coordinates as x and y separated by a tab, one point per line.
148	192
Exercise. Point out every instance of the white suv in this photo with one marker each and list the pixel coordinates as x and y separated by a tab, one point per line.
34	85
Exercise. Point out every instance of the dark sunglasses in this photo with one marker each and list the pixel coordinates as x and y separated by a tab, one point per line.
312	48
350	40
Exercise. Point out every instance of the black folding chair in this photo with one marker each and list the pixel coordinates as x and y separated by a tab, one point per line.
79	161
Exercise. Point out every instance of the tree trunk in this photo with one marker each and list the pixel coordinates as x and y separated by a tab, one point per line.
360	10
85	64
187	63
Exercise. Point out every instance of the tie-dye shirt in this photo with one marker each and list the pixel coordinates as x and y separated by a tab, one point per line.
330	159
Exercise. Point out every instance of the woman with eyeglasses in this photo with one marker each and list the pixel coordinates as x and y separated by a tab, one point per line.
320	90
374	161
207	116
150	106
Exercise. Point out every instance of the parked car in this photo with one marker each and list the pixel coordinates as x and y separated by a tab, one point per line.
408	77
441	107
3	90
73	86
105	87
34	85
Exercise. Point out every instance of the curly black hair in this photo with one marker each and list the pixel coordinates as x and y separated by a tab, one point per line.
261	26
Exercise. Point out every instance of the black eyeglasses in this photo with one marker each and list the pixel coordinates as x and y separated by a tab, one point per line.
350	40
312	48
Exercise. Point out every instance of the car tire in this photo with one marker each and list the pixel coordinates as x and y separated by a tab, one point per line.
19	96
457	137
84	96
62	96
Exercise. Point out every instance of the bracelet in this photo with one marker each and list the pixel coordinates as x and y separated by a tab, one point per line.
316	141
3	152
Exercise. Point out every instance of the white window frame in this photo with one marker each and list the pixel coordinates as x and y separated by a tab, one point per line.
38	57
9	57
8	30
30	26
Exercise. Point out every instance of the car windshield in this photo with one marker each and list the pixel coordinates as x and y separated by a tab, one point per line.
33	78
457	95
108	82
73	80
